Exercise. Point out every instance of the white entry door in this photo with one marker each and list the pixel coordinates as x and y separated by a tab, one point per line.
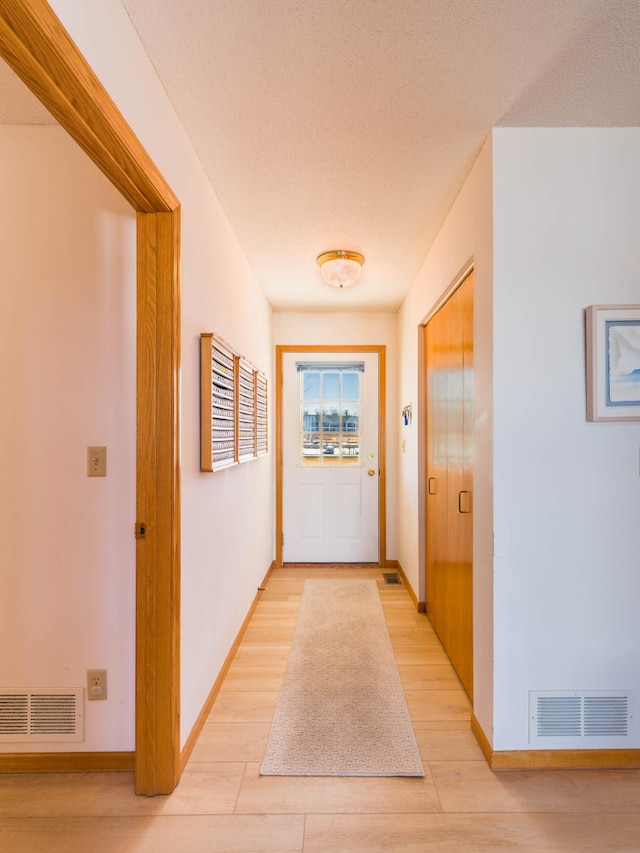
330	460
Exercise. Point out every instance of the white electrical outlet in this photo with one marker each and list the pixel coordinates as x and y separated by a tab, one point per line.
96	684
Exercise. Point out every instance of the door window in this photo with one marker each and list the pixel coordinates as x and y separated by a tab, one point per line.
330	413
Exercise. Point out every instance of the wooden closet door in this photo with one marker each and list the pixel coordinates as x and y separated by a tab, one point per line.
449	378
465	518
436	358
455	592
464	501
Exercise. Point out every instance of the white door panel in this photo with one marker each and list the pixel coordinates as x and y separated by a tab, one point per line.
349	516
330	503
312	511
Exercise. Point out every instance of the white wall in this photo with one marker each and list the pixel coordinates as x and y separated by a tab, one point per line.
67	372
466	235
550	219
567	492
221	565
351	329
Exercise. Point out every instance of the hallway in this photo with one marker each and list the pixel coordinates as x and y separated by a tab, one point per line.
222	805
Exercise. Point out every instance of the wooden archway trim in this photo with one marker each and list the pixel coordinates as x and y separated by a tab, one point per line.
38	48
40	51
158	504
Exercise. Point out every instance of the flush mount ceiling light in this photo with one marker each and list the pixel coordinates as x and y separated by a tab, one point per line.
340	268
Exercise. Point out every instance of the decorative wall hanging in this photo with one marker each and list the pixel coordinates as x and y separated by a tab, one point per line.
613	362
233	406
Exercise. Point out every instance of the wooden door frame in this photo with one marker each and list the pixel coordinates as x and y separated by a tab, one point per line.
382	491
40	51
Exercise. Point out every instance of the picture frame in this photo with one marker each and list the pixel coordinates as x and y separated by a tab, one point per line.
613	362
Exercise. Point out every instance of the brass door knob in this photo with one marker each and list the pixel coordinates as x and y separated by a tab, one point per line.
371	472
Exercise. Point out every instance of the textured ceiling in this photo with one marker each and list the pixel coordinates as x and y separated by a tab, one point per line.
17	104
353	123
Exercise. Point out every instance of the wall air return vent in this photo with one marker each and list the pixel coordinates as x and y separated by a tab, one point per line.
43	715
590	719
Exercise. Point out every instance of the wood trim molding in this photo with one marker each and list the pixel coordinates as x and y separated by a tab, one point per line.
555	759
382	434
40	51
158	505
66	762
483	741
279	461
382	453
567	759
217	684
394	564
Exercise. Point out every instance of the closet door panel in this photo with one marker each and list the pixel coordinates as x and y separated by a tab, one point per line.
436	471
455	480
465	666
449	378
431	486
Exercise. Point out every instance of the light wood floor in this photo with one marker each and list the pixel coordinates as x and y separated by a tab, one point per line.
222	805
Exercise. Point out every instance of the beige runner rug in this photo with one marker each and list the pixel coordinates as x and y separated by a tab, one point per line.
341	710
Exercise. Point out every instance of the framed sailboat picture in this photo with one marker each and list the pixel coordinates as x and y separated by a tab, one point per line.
613	362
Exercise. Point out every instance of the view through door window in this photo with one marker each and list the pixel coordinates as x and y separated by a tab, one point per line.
330	413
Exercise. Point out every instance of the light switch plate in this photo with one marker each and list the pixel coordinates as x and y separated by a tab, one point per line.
96	461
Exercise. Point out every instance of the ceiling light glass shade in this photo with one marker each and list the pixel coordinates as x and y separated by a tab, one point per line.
340	268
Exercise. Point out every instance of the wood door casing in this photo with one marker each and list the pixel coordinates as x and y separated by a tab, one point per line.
330	505
449	488
37	47
382	434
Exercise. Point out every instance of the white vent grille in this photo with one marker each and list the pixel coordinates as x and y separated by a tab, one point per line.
14	715
582	720
42	715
